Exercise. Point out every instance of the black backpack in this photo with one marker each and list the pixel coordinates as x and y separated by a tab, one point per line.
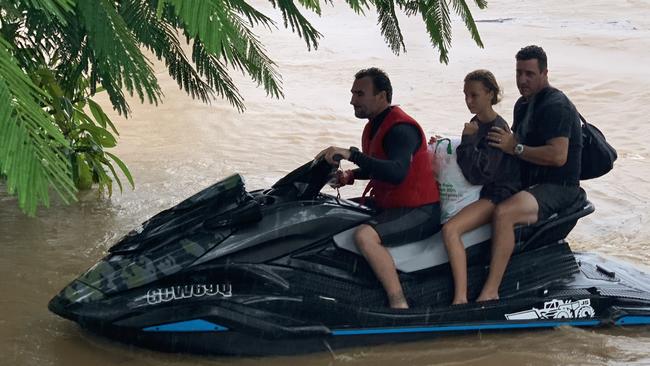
597	155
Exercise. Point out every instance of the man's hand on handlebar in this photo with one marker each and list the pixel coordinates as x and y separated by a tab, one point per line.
334	154
342	178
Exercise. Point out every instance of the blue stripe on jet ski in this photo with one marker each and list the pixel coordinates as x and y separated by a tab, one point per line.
197	325
633	320
579	323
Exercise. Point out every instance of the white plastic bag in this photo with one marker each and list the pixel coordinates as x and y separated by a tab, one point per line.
455	191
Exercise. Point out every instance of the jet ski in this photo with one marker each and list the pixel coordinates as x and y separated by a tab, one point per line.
276	271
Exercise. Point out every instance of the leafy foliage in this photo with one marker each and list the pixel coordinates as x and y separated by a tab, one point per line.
30	146
55	55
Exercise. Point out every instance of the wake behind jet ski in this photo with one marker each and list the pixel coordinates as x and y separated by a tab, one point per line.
275	271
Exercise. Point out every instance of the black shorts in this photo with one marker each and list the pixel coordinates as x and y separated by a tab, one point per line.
552	198
496	194
397	226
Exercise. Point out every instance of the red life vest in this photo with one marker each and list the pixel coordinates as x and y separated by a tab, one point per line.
419	187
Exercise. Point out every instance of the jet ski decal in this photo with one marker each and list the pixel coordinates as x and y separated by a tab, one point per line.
557	309
159	295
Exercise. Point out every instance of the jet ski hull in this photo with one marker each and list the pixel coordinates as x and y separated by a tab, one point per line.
596	292
274	272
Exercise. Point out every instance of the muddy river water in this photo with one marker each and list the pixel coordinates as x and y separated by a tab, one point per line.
597	52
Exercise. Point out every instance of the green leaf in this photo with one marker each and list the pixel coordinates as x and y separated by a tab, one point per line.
53	8
31	147
461	8
358	6
101	135
97	112
226	36
123	168
117	179
84	176
299	24
116	58
390	25
102	178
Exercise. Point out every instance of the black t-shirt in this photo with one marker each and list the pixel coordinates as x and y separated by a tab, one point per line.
553	116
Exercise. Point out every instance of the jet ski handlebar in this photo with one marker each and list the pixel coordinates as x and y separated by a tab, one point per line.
305	182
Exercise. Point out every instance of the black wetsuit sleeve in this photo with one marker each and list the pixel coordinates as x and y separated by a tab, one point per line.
478	161
400	143
360	174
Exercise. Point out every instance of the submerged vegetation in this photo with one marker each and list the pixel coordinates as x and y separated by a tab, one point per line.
56	55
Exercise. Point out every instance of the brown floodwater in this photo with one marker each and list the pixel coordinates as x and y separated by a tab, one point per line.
597	50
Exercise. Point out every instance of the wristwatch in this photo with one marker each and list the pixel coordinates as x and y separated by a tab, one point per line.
519	149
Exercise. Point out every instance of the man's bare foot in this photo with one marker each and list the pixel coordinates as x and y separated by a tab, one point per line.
459	301
487	297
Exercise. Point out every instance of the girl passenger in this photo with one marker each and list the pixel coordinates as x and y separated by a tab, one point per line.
481	164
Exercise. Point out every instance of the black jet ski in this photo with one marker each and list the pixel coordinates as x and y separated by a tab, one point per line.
276	272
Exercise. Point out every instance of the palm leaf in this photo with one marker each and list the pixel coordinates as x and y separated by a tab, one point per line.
435	14
461	8
116	60
54	8
31	147
390	25
123	168
299	24
216	75
160	38
226	36
358	5
254	16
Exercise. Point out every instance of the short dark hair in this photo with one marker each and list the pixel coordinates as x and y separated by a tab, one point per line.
488	80
380	81
533	52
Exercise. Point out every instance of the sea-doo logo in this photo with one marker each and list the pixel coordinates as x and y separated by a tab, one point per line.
187	291
557	309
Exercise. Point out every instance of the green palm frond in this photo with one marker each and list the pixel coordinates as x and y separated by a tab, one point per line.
390	25
71	49
313	5
31	148
253	15
116	60
438	23
161	39
358	5
461	8
249	54
216	75
54	8
203	19
226	36
299	24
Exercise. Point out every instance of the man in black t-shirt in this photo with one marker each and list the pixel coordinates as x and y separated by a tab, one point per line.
547	139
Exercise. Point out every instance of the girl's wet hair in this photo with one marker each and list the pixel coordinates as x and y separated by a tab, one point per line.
488	80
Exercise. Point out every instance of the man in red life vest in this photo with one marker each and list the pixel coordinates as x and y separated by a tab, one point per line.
402	188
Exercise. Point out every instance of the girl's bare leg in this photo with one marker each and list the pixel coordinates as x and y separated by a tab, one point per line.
472	216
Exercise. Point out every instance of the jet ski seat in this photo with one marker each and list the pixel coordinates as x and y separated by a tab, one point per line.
431	252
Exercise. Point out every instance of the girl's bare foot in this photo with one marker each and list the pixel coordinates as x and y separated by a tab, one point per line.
397	301
401	305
